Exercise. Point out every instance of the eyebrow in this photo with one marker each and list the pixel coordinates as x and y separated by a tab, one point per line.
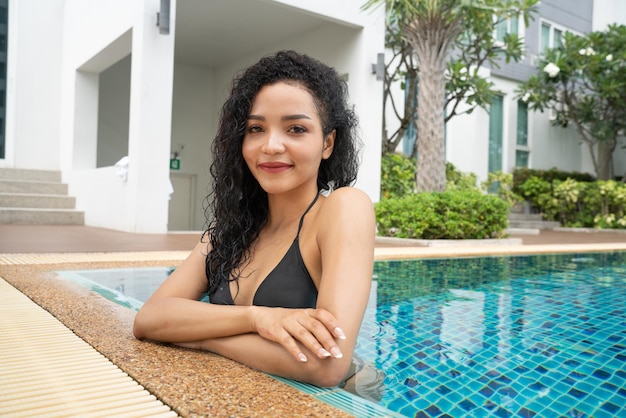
284	118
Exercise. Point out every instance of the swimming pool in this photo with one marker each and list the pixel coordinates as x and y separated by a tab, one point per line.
491	336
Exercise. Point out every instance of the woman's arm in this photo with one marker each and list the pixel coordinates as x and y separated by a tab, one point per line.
275	339
175	314
346	231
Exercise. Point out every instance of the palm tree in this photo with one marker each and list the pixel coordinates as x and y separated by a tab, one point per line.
436	30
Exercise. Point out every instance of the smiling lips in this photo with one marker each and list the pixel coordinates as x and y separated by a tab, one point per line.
275	167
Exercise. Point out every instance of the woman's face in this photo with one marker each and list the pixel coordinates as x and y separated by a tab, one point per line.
284	143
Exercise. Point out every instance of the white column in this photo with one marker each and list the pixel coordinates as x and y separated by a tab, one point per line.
152	72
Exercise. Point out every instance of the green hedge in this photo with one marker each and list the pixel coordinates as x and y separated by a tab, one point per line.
397	175
598	204
521	175
454	214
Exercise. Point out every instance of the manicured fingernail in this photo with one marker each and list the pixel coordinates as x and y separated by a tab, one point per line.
336	352
302	357
324	353
340	333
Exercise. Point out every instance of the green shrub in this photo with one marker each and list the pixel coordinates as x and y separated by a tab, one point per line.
501	184
397	176
458	214
598	204
457	180
535	190
610	196
522	174
398	173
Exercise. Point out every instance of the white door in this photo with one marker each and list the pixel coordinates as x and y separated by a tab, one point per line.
181	212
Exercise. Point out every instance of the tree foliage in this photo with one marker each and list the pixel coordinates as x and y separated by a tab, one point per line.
583	82
440	45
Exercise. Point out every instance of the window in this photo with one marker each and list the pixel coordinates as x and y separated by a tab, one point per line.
521	158
496	131
551	36
510	25
522	151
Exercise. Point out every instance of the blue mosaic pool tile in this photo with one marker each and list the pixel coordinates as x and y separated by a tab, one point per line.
575	413
548	345
611	408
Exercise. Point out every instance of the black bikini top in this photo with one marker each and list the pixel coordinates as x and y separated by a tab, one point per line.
288	285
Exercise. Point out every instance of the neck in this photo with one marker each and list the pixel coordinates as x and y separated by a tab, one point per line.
287	209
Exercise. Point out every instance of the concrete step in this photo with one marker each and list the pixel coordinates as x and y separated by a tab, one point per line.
30	175
32	187
29	216
43	201
36	197
530	221
534	225
525	217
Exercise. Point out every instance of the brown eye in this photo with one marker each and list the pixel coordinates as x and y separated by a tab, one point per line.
296	129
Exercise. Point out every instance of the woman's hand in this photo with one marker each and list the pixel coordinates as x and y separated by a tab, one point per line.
315	329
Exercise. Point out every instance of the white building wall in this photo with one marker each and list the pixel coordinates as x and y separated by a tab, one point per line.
467	139
172	106
194	123
33	88
607	12
98	35
467	143
553	146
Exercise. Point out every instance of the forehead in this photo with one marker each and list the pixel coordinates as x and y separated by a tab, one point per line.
284	96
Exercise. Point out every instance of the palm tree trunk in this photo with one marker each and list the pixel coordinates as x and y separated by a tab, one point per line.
431	153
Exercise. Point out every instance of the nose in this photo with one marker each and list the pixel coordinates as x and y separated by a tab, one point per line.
273	143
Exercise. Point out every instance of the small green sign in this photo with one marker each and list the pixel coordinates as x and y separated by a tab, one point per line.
174	164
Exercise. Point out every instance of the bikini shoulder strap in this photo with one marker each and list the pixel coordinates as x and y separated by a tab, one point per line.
305	212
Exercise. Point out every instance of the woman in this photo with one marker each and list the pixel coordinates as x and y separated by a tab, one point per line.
288	255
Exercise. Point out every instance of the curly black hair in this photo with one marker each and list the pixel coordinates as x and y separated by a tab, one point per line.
237	207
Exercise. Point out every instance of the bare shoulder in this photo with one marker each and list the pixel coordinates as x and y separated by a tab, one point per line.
348	198
346	208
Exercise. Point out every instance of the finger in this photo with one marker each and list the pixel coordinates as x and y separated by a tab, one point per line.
317	338
287	341
329	321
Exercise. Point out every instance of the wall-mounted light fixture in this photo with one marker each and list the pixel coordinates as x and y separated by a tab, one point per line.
379	67
163	17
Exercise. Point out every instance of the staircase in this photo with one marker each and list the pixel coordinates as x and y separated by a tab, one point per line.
520	218
36	197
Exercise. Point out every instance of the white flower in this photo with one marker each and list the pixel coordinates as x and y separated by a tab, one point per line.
587	51
552	70
463	73
525	97
609	57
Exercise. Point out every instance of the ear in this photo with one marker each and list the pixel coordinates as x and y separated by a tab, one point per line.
329	144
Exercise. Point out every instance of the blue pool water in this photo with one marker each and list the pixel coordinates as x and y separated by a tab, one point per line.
531	336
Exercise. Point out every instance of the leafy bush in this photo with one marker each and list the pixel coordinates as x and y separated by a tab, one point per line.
501	184
457	180
455	214
533	188
522	174
397	175
599	204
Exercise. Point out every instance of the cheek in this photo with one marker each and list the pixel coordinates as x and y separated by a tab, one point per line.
247	152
